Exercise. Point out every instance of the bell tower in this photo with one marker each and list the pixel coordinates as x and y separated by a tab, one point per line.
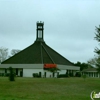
39	31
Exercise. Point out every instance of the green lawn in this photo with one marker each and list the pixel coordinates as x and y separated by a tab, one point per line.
48	88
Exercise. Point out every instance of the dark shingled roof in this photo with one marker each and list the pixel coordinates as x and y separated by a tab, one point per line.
37	53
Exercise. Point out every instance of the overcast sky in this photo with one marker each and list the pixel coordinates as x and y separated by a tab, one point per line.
69	25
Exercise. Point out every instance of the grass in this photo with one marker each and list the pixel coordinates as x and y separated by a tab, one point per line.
48	88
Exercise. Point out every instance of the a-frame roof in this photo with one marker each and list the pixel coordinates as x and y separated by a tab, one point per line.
37	53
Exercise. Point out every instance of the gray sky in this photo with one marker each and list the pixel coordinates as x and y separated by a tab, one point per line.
69	25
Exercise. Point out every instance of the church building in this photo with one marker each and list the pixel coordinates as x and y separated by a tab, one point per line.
37	59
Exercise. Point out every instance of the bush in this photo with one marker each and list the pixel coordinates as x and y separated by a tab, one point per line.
78	74
63	75
71	74
36	75
2	74
11	74
7	74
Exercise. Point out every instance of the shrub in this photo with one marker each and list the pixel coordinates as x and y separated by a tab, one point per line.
2	74
7	74
36	75
11	74
78	74
62	75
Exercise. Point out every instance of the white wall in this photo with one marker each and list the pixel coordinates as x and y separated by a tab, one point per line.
50	74
29	69
62	72
29	72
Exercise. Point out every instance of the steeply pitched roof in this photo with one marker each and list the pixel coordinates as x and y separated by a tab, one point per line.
37	53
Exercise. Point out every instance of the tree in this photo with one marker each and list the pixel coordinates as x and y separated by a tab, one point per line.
82	65
11	74
96	60
93	61
97	50
53	70
14	51
3	54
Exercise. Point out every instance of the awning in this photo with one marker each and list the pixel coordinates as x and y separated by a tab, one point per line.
50	65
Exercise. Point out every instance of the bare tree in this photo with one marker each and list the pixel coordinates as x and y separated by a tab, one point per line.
93	61
14	51
3	54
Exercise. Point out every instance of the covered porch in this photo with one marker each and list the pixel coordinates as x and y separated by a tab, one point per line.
90	72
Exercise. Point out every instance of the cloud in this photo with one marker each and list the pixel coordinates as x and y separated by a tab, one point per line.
69	26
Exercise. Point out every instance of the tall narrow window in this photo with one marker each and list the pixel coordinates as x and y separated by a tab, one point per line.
39	33
16	71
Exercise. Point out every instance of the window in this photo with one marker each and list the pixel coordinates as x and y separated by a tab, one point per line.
39	26
39	33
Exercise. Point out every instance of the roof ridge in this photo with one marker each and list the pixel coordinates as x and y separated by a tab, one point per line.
47	53
59	54
41	53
